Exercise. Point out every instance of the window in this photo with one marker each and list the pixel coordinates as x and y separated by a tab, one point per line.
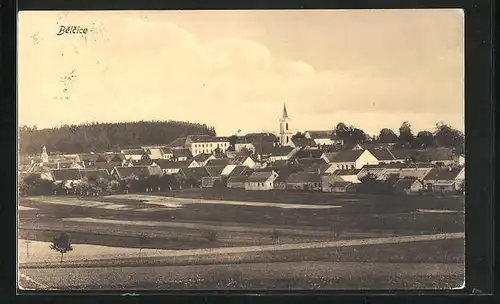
287	139
287	127
352	166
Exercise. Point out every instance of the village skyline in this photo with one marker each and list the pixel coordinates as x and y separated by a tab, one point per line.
235	70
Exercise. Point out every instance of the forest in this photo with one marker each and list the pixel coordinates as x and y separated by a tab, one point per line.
100	137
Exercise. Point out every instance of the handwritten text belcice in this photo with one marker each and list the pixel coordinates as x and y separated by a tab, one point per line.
72	30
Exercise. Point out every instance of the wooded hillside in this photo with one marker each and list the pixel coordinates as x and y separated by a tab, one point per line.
99	137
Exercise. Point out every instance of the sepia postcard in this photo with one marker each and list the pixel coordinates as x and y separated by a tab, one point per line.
241	150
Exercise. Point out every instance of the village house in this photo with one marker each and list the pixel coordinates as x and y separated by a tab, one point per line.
94	174
384	155
338	186
154	152
445	180
304	143
169	167
408	186
346	175
246	161
167	152
323	138
194	175
236	182
66	177
281	153
139	172
215	177
88	159
179	143
350	159
303	181
261	181
198	144
134	154
243	144
203	158
181	155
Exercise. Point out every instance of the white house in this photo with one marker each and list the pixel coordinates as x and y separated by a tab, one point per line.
134	154
198	144
350	159
154	152
67	177
261	181
167	153
323	138
445	180
347	175
246	161
408	186
282	153
173	167
203	158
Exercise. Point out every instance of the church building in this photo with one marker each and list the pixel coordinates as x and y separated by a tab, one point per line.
285	135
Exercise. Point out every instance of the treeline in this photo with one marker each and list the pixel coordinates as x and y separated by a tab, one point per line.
443	135
99	137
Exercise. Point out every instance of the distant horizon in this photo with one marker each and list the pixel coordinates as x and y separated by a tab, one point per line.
235	69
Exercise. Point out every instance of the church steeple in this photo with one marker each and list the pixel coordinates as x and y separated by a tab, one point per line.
285	113
285	134
45	156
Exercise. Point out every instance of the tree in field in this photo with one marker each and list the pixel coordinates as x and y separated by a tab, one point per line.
349	134
211	236
426	138
387	136
275	235
232	142
406	136
62	244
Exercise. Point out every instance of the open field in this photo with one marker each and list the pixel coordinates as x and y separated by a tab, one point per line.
179	226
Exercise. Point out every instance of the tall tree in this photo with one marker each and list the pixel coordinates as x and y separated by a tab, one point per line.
298	135
387	136
426	138
406	136
62	244
446	136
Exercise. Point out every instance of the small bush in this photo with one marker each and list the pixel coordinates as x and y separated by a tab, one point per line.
211	235
275	235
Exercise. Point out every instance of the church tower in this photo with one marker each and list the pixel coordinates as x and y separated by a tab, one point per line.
45	156
285	136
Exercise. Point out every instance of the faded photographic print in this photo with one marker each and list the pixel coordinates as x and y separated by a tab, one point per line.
241	150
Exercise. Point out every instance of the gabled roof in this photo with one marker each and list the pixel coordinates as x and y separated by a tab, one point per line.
88	157
280	151
178	143
405	183
238	170
105	165
134	151
442	174
346	172
256	177
167	150
138	172
320	134
218	162
303	177
214	170
202	157
258	137
195	173
66	174
310	161
237	179
308	153
142	162
344	156
206	139
95	173
382	154
304	142
170	164
182	153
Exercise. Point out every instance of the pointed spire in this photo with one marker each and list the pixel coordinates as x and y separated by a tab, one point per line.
285	114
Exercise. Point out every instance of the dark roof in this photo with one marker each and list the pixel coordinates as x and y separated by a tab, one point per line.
214	170
237	179
320	134
66	174
258	137
196	173
182	153
405	183
433	154
238	170
344	156
279	163
104	165
259	176
346	172
138	172
281	151
95	173
206	138
142	162
442	174
134	151
243	153
179	142
382	154
304	142
303	177
310	161
110	157
308	153
169	164
218	162
341	184
264	147
202	157
167	150
88	157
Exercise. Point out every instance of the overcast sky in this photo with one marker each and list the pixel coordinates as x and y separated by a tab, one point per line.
235	69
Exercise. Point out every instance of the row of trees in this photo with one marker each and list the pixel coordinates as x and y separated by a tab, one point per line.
106	136
443	135
33	185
